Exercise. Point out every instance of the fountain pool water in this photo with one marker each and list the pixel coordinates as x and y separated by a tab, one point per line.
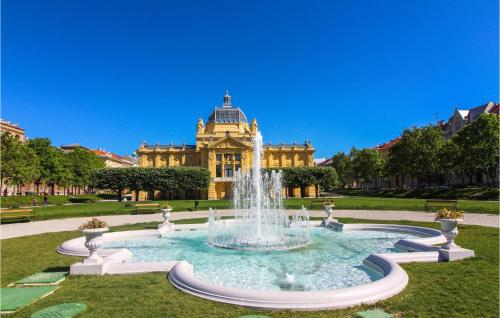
260	221
332	260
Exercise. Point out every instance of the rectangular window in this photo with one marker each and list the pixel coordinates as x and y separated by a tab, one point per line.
237	167
228	157
218	171
228	171
237	157
218	157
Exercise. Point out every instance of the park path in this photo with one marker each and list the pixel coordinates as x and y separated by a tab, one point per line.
70	224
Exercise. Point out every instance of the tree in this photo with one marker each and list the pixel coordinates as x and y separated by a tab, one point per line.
325	178
479	146
417	153
48	163
367	164
342	165
115	179
18	162
82	164
64	176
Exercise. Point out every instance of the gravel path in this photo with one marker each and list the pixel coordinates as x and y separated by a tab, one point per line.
59	225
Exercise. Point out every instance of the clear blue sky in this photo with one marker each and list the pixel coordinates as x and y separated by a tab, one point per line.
341	73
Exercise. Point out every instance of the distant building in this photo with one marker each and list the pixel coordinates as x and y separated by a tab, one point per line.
13	129
462	117
112	160
72	147
223	146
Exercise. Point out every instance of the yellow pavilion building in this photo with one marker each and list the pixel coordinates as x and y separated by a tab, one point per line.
223	145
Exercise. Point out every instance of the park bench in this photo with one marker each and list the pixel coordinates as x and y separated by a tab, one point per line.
143	208
319	202
17	214
433	205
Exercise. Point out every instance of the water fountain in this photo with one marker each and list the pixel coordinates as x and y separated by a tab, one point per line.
260	221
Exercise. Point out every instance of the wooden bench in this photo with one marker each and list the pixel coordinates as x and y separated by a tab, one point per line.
316	202
433	205
17	214
144	208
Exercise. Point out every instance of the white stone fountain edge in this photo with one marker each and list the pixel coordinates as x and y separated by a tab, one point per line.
181	275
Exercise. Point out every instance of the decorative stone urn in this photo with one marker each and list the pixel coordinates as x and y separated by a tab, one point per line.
450	231
329	214
329	210
93	243
166	226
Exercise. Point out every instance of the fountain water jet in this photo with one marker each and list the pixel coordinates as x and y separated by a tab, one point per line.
260	222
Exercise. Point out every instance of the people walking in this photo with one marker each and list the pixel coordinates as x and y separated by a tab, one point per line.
45	199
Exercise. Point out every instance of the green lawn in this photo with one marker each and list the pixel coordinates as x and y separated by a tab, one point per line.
356	203
466	288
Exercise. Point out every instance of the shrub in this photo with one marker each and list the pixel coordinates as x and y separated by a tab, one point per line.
449	214
94	223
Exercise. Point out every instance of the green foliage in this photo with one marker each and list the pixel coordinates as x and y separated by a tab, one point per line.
19	162
465	193
49	165
321	177
418	152
367	164
82	163
342	165
478	143
150	179
27	200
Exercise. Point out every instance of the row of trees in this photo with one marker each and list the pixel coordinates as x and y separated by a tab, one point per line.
151	179
324	178
424	154
196	179
38	162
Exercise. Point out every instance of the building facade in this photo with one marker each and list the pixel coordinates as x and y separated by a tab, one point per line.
14	129
223	145
112	160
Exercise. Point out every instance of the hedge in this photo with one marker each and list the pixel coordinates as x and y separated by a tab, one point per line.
27	200
151	179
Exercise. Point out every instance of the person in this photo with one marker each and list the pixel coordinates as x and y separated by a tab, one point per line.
34	200
45	199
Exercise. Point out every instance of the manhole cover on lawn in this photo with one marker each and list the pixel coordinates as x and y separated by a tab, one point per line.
67	310
43	278
374	313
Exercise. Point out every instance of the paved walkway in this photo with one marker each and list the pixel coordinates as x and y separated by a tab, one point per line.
59	225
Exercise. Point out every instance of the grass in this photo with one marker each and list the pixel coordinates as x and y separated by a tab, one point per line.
355	203
467	288
469	192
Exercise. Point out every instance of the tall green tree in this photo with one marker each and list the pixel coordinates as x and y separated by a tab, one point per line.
478	142
48	163
325	178
417	153
115	179
83	163
18	162
367	164
341	162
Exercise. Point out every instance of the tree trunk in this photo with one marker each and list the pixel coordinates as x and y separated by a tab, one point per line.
120	195
136	195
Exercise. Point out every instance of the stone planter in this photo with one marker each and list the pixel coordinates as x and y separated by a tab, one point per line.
93	243
450	231
329	210
166	215
166	226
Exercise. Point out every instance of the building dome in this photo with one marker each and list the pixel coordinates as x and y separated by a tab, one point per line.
227	113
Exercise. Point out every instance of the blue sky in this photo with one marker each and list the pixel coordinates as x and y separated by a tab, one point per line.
340	73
